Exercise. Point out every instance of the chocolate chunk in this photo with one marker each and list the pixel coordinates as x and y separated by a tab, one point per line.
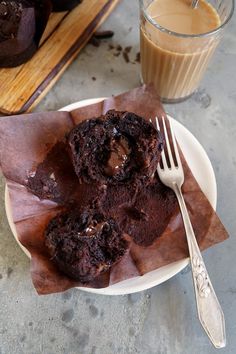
126	57
92	229
96	38
119	154
103	34
128	49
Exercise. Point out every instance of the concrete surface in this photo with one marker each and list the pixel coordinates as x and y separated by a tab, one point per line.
163	319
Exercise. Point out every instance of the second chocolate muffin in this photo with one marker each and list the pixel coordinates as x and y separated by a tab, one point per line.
22	24
115	148
84	244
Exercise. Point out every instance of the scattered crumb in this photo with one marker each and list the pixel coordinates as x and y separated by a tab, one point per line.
96	38
137	57
94	41
103	34
9	271
130	29
126	57
112	70
119	48
128	49
94	78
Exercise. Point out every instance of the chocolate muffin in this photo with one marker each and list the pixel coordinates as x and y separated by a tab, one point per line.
65	5
84	244
22	24
116	148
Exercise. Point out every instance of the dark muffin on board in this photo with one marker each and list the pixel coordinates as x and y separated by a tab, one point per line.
84	244
116	148
22	24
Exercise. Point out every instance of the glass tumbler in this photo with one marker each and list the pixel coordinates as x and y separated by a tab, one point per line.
175	63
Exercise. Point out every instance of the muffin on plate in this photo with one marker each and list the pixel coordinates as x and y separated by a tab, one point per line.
115	148
84	244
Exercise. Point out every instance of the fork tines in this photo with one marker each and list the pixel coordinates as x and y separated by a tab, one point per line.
170	154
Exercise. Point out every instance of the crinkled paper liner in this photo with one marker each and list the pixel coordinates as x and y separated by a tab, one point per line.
25	141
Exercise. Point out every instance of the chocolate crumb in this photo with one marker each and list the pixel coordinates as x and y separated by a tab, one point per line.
137	57
96	38
103	34
94	41
94	78
128	49
112	70
119	48
126	57
9	271
111	46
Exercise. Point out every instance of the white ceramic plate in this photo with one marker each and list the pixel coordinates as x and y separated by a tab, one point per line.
202	169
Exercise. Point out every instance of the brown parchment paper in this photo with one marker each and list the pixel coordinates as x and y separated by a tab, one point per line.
24	143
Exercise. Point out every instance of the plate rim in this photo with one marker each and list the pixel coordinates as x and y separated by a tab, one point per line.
115	288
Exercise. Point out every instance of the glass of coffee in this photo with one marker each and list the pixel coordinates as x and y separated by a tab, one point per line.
177	43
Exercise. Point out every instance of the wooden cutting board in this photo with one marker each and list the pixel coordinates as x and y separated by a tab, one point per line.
66	33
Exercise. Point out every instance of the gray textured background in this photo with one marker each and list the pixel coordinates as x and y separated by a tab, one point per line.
163	319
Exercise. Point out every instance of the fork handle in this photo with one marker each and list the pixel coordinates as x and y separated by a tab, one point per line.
209	310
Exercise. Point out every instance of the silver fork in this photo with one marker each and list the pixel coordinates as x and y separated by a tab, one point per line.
209	310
